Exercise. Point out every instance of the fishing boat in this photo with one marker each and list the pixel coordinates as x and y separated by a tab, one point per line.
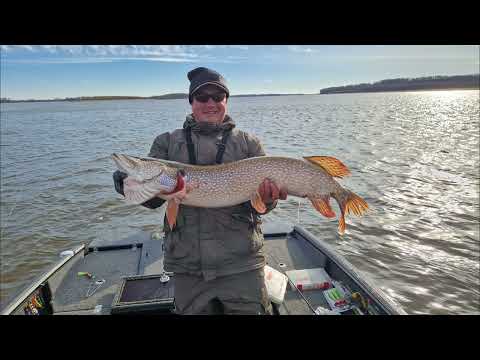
126	276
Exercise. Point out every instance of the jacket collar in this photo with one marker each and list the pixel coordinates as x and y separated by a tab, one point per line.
208	128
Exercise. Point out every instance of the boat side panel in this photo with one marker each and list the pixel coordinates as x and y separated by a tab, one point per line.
50	277
56	279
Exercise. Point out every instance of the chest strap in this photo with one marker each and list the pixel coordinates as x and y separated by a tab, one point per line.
221	146
191	150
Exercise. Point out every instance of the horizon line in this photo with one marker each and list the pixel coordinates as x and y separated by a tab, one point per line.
236	95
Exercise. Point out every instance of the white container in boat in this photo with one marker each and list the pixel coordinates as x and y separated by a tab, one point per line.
310	279
276	284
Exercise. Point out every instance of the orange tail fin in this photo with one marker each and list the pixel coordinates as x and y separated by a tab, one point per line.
350	203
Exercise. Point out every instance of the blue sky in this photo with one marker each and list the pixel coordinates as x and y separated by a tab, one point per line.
58	71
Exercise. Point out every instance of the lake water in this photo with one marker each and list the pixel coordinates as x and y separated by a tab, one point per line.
414	157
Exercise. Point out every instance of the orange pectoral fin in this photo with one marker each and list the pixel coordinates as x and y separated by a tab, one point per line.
331	165
322	205
171	212
258	203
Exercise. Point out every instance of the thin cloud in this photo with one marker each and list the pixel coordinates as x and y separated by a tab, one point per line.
236	57
301	49
241	47
109	53
411	57
95	60
211	47
59	61
160	59
406	55
113	50
27	47
73	54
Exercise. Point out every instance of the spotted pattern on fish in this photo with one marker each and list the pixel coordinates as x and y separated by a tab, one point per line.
236	182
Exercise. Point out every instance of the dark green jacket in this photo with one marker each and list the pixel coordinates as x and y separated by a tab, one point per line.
212	242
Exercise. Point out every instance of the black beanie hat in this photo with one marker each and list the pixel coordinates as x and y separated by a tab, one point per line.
202	76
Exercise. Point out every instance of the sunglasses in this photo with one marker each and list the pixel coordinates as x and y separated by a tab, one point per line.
203	98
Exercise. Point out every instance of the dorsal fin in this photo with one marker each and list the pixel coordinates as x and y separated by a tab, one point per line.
332	166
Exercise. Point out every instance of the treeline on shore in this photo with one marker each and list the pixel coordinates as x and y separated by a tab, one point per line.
401	84
410	84
90	98
157	97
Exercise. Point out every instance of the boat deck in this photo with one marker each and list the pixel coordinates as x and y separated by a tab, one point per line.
286	248
142	255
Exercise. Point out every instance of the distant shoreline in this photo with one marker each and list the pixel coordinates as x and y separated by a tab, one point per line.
406	90
161	97
110	98
431	83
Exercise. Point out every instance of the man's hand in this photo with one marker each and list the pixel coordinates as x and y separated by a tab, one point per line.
269	192
181	190
118	178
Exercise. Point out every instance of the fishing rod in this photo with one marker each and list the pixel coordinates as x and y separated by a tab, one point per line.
304	298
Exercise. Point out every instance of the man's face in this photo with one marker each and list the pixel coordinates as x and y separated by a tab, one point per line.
210	111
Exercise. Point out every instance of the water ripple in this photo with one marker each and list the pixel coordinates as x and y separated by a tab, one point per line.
414	157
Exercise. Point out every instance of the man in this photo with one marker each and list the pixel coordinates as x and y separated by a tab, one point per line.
215	253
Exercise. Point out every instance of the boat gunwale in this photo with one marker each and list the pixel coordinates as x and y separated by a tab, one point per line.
22	296
387	304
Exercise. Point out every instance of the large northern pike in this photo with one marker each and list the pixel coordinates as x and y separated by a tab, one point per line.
237	182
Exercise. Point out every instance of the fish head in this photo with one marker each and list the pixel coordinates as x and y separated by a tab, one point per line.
146	177
144	169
